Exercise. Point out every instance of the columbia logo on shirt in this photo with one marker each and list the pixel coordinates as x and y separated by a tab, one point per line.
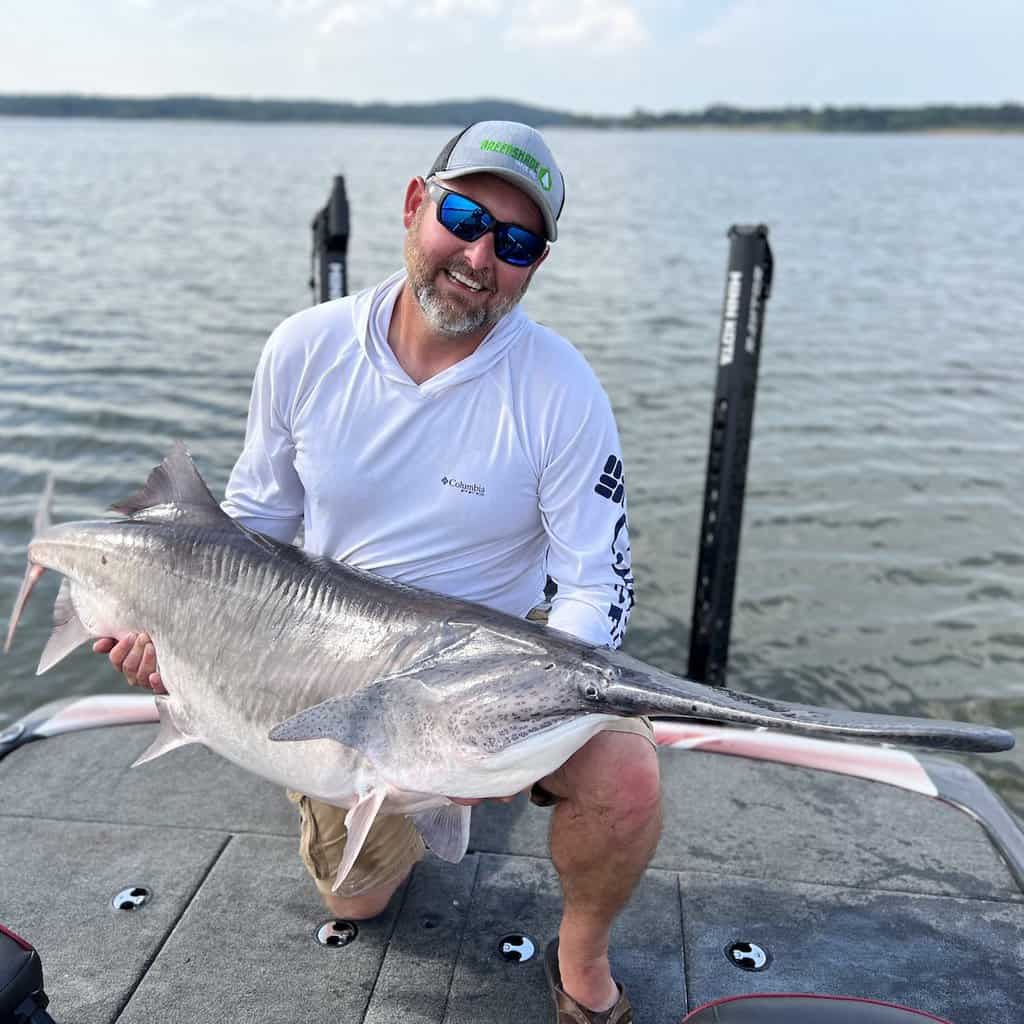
612	484
461	485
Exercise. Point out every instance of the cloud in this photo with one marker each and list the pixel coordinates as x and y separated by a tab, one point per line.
740	22
674	53
353	13
443	8
299	8
778	52
342	14
602	26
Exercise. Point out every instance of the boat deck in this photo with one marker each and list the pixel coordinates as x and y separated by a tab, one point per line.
853	887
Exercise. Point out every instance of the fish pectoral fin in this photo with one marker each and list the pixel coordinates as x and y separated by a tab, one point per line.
170	736
445	830
68	630
357	823
346	720
369	720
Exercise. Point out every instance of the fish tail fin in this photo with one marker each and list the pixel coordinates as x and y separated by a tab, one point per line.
44	516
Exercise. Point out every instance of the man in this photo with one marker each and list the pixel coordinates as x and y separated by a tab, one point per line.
428	431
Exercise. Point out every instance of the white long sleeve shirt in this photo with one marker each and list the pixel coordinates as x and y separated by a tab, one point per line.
478	483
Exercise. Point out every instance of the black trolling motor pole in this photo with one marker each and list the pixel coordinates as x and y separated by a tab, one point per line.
747	286
329	278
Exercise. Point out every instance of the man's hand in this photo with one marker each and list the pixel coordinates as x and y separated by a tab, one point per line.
135	657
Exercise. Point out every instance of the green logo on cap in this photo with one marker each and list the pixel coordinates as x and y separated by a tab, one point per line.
520	155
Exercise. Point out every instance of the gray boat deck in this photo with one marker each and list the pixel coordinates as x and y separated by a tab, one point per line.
854	888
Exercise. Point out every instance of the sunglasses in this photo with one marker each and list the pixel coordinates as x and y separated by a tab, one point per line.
468	220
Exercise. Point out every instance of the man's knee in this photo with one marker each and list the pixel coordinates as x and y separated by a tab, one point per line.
637	789
364	906
614	773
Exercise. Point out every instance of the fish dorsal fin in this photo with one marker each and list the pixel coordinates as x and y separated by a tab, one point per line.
68	630
357	824
445	830
174	492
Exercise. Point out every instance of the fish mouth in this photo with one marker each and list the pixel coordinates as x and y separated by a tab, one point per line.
659	694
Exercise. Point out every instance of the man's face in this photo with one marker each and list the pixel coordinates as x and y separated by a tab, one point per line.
462	287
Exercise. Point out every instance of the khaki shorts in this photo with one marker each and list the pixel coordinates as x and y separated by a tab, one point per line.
393	844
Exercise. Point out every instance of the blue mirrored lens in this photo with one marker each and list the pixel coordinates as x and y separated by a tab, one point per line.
464	218
517	246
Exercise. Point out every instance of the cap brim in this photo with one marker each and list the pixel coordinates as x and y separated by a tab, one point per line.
525	184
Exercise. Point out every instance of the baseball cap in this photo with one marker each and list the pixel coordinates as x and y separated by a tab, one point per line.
513	151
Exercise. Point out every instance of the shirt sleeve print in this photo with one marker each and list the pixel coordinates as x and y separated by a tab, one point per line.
583	506
622	599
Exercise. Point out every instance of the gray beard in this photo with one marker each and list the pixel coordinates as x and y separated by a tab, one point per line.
445	317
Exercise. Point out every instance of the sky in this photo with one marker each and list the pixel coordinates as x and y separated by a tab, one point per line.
586	56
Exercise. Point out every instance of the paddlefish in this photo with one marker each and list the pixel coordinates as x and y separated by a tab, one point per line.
374	696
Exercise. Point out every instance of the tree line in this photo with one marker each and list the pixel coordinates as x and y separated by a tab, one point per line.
938	117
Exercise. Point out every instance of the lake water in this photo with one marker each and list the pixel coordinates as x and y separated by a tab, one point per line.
142	266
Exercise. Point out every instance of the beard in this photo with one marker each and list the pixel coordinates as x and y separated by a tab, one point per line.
443	311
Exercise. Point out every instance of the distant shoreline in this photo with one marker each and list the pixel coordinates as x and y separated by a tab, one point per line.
1004	118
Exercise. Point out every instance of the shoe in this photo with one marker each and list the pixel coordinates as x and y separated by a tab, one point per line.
568	1011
